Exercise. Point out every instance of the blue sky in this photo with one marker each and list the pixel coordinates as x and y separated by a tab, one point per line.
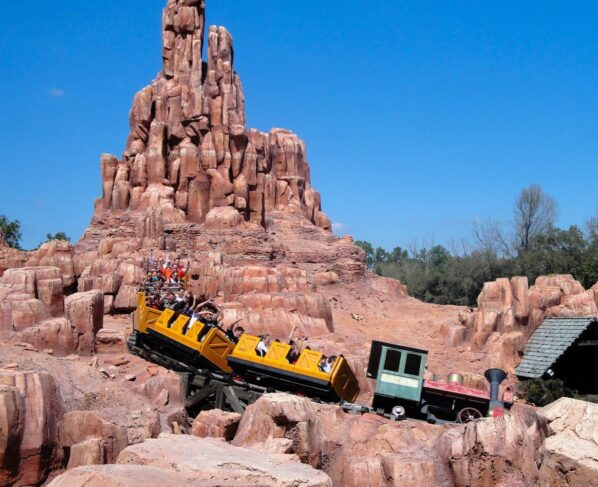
418	116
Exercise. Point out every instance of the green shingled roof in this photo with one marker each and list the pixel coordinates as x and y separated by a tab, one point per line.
548	343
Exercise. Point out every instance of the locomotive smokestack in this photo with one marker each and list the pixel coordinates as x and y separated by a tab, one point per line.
495	377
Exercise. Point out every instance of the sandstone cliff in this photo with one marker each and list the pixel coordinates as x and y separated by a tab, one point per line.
236	203
189	149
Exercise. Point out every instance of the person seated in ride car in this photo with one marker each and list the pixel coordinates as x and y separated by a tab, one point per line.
293	354
179	302
173	281
323	365
154	301
166	267
155	277
148	280
189	299
296	349
169	300
263	345
182	270
330	363
234	333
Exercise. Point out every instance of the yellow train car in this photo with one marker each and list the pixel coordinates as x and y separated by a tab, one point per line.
304	376
164	337
196	345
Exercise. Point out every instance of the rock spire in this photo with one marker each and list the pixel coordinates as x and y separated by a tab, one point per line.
189	146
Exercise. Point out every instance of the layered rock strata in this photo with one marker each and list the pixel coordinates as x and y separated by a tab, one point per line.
509	311
236	203
30	410
168	461
554	446
189	147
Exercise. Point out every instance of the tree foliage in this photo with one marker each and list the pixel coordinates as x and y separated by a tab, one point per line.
542	392
11	231
531	245
57	236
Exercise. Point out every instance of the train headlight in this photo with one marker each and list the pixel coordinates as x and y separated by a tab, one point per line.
398	412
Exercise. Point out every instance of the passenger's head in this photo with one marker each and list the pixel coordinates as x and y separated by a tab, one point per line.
238	331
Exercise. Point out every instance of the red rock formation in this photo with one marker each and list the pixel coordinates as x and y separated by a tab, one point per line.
56	253
216	424
10	257
29	295
214	462
509	312
353	450
189	150
235	202
91	439
30	410
501	451
55	334
85	312
570	452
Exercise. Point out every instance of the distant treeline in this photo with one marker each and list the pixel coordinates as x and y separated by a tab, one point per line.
529	245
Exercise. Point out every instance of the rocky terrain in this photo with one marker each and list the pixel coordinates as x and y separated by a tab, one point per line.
194	182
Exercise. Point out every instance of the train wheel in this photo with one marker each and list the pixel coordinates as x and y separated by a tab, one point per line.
468	414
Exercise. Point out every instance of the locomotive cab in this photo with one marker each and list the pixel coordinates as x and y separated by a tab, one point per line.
399	374
402	390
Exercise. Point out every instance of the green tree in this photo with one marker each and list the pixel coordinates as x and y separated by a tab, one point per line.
439	256
369	251
542	392
11	231
398	255
57	236
554	252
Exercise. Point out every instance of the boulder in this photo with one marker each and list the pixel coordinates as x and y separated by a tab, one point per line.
110	341
88	452
11	258
389	286
216	462
126	299
125	476
570	453
354	450
56	253
164	389
80	427
29	295
30	410
85	311
24	312
55	334
493	451
216	424
222	217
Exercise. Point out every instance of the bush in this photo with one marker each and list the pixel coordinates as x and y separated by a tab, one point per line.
543	391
